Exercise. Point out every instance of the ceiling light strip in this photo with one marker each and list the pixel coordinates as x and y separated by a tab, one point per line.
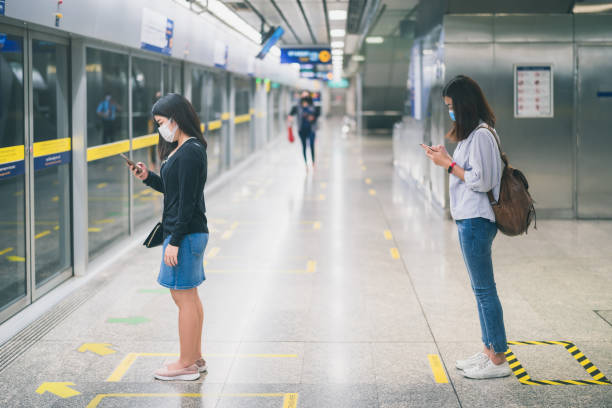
278	10
312	36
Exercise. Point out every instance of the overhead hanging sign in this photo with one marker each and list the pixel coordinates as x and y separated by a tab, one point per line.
305	55
156	32
533	91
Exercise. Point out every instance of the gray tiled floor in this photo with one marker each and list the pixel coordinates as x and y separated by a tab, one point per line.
303	296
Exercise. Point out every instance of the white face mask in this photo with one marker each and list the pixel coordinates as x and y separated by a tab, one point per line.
166	133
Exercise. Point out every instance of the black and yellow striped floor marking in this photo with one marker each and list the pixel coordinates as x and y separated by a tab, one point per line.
521	374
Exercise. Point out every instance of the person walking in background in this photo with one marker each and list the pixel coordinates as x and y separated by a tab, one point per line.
307	115
475	169
182	151
107	112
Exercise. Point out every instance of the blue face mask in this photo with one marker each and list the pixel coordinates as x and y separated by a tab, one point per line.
452	115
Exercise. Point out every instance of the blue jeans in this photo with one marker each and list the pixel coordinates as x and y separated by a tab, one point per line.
475	237
306	137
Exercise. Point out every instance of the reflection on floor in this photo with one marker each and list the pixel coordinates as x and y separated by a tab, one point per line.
340	287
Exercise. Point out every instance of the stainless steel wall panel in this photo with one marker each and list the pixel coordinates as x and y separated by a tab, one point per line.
594	172
541	147
533	28
473	60
593	28
468	28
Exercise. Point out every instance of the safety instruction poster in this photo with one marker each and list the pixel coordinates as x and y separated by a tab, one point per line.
156	32
533	91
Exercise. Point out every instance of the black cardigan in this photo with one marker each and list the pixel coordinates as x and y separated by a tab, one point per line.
182	181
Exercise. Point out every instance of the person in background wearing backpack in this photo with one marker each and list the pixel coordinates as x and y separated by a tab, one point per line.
475	169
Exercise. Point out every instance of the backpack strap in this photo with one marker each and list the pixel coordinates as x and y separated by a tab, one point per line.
490	195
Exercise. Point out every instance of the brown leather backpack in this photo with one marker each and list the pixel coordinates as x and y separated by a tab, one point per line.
515	209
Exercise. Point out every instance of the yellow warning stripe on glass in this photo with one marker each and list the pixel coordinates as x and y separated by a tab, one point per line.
145	141
12	154
52	147
107	150
251	111
521	374
214	125
242	118
202	127
225	116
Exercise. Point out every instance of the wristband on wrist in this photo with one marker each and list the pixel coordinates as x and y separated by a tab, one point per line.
450	168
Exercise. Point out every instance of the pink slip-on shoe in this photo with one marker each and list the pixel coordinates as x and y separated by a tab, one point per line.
185	374
201	364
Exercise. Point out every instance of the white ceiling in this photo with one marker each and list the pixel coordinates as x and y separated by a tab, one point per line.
297	22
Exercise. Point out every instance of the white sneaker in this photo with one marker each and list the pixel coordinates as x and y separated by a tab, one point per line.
472	361
488	370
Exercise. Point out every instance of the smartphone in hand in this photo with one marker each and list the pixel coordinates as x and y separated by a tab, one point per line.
130	163
424	146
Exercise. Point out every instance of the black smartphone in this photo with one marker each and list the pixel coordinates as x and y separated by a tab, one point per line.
131	163
426	146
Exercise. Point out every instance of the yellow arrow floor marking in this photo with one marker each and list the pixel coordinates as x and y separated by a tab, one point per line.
289	399
94	229
437	369
42	234
227	234
127	362
55	199
101	349
102	185
56	228
388	235
6	251
61	389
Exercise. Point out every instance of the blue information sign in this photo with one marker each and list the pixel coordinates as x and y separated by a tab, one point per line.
52	160
2	6
12	169
305	55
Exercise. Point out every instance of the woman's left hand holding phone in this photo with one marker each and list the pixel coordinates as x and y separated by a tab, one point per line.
139	170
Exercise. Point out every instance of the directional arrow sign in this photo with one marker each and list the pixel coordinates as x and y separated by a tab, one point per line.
134	320
61	389
100	349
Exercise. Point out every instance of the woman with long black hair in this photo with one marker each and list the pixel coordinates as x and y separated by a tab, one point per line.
475	169
182	150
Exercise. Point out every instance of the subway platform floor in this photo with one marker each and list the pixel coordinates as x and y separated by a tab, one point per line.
340	287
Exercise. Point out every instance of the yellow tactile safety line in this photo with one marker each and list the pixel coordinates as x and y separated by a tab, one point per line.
289	399
521	374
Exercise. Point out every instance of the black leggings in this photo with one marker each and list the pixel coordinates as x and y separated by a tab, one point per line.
304	138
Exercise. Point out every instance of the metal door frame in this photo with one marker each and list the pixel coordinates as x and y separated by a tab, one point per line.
33	293
26	300
577	129
36	293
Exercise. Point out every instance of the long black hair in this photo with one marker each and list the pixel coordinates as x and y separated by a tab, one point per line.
179	109
469	105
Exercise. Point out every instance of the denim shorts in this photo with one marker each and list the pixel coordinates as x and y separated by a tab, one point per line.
189	273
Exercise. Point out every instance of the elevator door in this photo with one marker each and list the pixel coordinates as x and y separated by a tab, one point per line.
594	189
